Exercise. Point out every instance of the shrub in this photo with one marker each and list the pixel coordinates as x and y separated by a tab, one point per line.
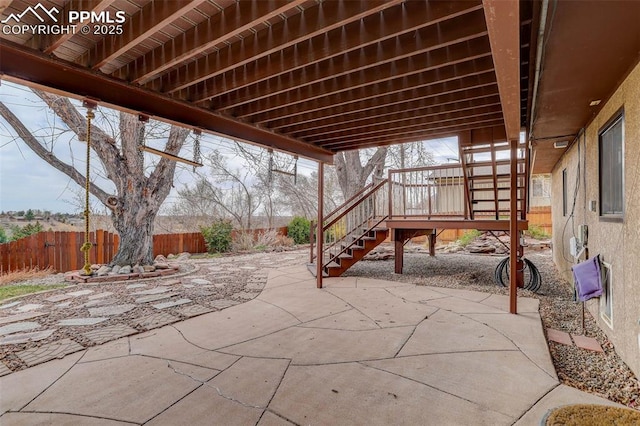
537	232
217	237
298	229
243	241
3	236
468	236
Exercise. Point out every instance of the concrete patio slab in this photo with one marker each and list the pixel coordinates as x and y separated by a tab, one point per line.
559	336
465	306
130	389
491	379
270	419
297	303
168	343
525	331
18	389
356	394
382	307
358	352
446	332
349	320
231	326
316	346
525	305
58	419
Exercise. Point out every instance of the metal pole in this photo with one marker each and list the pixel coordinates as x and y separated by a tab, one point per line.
513	230
319	233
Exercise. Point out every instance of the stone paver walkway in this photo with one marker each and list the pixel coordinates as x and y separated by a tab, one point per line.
360	351
38	328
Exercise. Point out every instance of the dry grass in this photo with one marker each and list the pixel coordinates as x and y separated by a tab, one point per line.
25	274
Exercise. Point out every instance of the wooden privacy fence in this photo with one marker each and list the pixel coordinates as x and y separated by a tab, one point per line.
61	250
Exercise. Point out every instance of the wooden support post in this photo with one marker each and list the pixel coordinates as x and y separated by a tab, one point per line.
399	250
432	243
319	233
513	230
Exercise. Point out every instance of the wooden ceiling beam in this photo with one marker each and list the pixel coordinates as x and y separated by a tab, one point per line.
26	66
330	105
355	35
221	28
408	125
427	134
405	84
307	24
503	25
150	19
400	114
385	61
48	43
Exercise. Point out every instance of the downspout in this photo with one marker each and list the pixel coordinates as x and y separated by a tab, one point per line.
536	79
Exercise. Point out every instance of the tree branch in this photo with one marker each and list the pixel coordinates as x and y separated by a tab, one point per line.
47	156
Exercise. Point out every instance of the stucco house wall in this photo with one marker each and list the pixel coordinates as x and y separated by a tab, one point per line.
617	242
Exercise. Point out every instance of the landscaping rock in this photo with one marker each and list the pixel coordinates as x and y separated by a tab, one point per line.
115	269
104	270
148	268
126	269
161	265
160	259
183	257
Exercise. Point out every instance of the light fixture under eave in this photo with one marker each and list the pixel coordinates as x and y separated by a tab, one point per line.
595	103
561	144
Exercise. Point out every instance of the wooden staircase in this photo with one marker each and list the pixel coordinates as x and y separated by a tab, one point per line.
337	265
488	180
353	230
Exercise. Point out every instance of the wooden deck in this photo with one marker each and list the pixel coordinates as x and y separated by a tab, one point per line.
453	223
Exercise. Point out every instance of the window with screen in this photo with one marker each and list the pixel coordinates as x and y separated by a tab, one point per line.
611	154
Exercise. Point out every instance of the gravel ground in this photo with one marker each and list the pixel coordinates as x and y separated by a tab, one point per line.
603	374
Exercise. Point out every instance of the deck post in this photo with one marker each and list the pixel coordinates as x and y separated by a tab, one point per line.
319	233
432	243
513	230
398	239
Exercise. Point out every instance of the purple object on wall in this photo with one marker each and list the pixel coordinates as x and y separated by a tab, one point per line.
588	279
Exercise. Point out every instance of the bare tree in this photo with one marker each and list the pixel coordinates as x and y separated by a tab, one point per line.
139	192
352	174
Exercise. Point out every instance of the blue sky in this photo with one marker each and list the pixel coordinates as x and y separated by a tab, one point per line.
28	182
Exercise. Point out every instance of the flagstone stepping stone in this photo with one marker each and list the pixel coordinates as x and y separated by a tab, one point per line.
169	283
193	310
17	327
58	298
63	305
80	293
111	310
99	302
4	370
100	295
10	305
29	307
16	339
156	320
200	281
140	285
155	297
215	269
20	317
172	303
156	290
49	351
188	286
81	321
105	334
247	268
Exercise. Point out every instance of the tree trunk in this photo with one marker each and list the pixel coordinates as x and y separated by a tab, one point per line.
352	175
136	238
138	195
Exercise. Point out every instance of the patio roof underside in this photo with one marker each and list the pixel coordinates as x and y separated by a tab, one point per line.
305	76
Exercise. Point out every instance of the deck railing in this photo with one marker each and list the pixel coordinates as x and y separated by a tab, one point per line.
427	192
346	225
